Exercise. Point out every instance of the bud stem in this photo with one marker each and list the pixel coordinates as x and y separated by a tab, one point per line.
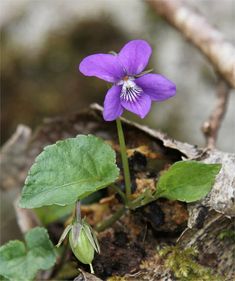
78	212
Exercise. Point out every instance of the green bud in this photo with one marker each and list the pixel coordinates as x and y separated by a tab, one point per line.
83	241
81	246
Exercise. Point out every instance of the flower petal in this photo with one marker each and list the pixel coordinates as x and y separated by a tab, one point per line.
140	107
158	87
134	56
112	104
103	66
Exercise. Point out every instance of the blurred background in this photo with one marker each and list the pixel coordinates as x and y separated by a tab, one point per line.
43	41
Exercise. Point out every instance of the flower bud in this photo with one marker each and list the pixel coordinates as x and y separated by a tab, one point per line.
81	246
83	242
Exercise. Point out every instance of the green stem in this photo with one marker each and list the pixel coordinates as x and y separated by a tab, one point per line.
118	190
109	222
91	268
60	263
125	164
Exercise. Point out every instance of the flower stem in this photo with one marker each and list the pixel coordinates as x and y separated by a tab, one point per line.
125	164
109	222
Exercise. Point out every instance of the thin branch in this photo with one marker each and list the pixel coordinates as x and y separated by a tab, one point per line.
211	127
199	32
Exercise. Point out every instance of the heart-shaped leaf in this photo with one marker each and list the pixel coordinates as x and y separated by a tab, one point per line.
21	262
187	181
69	171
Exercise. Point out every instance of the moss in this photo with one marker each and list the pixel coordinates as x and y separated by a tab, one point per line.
116	278
227	234
184	266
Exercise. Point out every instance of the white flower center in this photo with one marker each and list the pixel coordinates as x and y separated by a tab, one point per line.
130	91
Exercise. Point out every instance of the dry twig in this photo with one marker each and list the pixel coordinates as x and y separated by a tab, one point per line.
198	31
13	159
211	126
26	218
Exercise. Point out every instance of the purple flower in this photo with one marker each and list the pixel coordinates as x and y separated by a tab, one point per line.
131	90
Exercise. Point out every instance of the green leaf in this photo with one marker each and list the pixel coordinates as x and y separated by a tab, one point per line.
69	171
187	181
21	262
49	214
3	278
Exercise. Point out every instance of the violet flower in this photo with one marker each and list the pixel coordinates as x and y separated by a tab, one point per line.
132	89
